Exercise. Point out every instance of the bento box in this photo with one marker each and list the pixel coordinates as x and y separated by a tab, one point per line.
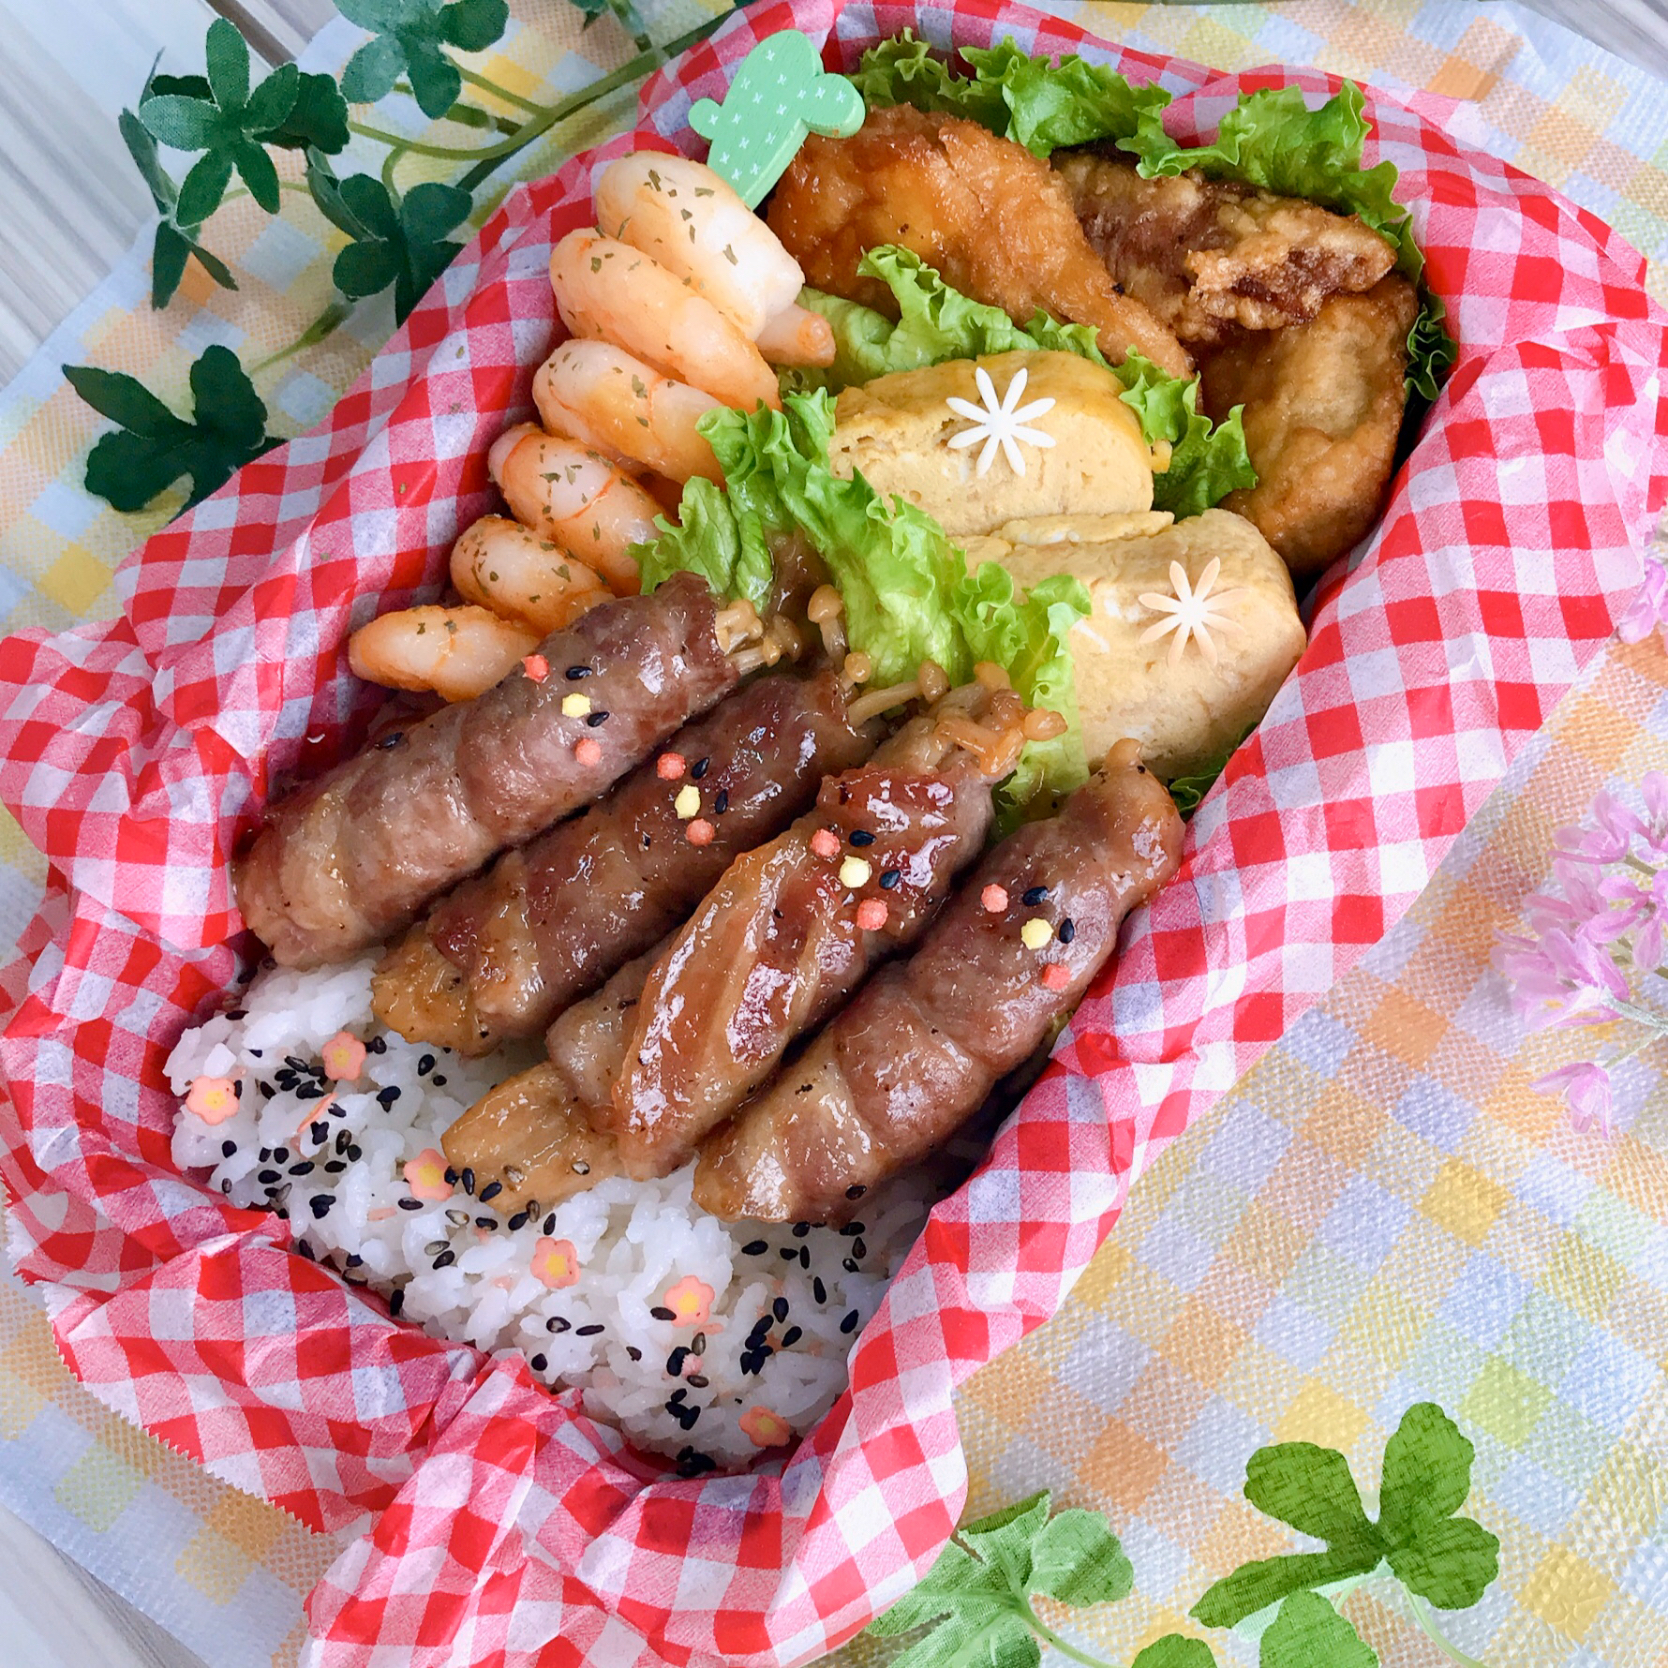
137	753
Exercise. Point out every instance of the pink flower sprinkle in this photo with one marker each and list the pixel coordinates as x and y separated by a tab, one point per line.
1586	1087
1056	976
669	767
344	1057
700	832
871	914
556	1263
588	752
425	1175
536	667
213	1099
690	1301
994	898
825	843
765	1429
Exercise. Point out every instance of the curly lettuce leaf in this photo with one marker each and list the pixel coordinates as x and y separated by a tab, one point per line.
907	592
936	323
1042	103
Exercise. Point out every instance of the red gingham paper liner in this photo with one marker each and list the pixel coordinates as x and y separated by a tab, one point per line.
507	1528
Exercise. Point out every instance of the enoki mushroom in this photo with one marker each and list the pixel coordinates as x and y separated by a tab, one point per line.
928	684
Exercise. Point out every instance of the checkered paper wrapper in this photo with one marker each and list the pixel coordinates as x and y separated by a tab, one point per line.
136	753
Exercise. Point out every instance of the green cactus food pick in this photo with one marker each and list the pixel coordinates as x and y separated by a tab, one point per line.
780	93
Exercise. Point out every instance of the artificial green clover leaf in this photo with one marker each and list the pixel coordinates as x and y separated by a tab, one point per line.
318	120
1309	1488
977	1598
153	448
1077	1559
1427	1472
1451	1563
409	37
175	243
1309	1633
1175	1650
404	246
220	116
1254	1587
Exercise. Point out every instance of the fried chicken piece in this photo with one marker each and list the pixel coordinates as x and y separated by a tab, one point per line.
1323	407
992	219
1208	255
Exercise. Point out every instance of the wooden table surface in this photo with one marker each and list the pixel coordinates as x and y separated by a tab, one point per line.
70	206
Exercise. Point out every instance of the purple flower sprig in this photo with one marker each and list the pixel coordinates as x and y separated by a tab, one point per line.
1595	946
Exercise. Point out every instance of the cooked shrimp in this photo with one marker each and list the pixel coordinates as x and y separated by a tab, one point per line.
609	292
602	396
508	568
693	223
459	653
576	496
797	336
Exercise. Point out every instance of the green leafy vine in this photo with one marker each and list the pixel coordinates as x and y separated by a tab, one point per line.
977	1603
399	236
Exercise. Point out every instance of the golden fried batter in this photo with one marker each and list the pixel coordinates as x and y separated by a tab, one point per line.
1323	406
1207	255
994	221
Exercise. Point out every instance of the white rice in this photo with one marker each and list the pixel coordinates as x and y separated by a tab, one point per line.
788	1303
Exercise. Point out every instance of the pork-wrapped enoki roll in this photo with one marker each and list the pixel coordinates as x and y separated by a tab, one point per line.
794	927
927	1039
503	954
353	856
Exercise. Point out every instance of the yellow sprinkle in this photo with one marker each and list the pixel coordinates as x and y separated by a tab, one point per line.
575	706
688	801
1035	933
854	872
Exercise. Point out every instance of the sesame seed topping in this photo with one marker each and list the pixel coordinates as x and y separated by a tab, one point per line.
700	768
721	803
662	1313
754	1248
849	1324
467	1177
1033	896
597	718
538	1363
578	672
409	1204
856	1191
780	1308
491	1192
862	837
792	1337
445	1259
889	879
590	1331
1068	930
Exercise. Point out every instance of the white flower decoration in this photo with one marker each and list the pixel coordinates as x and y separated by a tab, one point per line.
1193	611
999	423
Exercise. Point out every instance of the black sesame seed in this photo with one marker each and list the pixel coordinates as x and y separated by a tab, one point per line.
354	1260
320	1133
396	1300
780	1308
391	741
304	1168
491	1192
228	1149
458	1218
268	1177
849	1266
425	1065
1033	895
801	1229
578	672
335	1167
699	768
467	1177
859	1250
557	1324
321	1203
862	837
265	1154
698	1344
487	1222
760	1327
677	1397
788	1254
451	1176
593	719
439	1081
792	1337
852	1230
818	1290
388	1096
434	1248
721	802
226	1184
550	1223
856	1191
590	1331
804	1256
377	1045
355	1153
1067	931
238	1013
295	1061
445	1259
309	1091
698	1381
634	1352
519	1220
266	1088
675	1361
849	1324
662	1313
306	1250
889	879
280	1155
753	1248
409	1204
538	1363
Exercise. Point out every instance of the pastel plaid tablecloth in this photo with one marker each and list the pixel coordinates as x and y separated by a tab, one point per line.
1383	1210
